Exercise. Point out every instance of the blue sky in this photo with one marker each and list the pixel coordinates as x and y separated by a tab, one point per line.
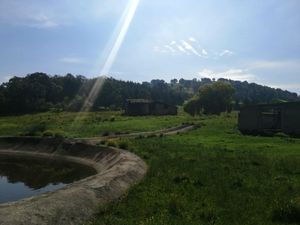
253	40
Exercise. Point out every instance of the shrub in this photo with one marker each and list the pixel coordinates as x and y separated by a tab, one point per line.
175	207
54	133
281	135
48	133
181	179
105	133
59	134
123	145
102	142
35	129
140	136
288	212
151	135
111	144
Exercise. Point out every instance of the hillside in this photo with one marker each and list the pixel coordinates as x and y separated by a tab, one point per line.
39	92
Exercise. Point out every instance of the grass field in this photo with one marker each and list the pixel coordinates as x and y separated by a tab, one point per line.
211	175
85	124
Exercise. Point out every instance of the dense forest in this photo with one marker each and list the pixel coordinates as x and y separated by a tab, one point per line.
40	92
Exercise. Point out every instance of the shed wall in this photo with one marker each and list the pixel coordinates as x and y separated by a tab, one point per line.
291	120
249	120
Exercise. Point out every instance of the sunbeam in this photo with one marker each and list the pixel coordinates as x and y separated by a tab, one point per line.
111	52
116	40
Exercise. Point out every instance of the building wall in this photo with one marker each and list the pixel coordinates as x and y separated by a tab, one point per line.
137	109
162	109
291	120
151	108
249	120
270	118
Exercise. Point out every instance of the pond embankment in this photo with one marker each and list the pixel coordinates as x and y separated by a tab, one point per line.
117	170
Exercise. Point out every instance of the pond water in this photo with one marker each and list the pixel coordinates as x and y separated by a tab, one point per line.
21	178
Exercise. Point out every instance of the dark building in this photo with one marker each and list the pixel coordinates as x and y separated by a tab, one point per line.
270	118
142	107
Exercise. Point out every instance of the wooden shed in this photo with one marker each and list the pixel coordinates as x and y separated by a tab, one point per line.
270	118
142	107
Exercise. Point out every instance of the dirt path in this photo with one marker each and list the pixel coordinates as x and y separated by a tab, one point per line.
169	131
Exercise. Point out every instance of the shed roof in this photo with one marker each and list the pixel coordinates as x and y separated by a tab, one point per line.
138	101
274	105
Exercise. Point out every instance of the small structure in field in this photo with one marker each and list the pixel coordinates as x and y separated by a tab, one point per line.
270	118
142	107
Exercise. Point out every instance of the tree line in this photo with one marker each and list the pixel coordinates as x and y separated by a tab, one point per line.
40	92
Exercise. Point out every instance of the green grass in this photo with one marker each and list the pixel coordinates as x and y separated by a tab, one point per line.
85	125
211	175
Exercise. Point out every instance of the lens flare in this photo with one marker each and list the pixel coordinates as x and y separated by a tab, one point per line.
111	52
117	40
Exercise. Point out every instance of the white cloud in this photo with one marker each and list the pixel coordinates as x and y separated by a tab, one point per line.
160	49
190	48
204	52
156	49
182	49
192	39
41	21
233	74
4	79
226	52
170	48
72	60
19	13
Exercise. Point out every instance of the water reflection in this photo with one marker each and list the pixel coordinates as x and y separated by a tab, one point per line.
20	178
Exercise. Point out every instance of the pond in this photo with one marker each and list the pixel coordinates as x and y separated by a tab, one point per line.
21	178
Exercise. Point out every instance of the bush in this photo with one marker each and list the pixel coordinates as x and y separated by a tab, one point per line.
103	142
281	135
53	133
175	207
105	133
35	129
123	145
59	134
288	212
111	144
140	136
48	133
151	135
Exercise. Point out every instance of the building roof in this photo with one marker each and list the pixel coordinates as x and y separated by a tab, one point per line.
146	101
138	101
274	105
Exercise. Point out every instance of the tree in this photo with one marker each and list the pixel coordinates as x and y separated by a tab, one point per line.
211	99
192	106
40	92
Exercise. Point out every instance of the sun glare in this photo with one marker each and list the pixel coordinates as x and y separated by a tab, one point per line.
112	52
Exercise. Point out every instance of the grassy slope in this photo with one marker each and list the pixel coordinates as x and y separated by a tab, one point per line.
86	125
212	175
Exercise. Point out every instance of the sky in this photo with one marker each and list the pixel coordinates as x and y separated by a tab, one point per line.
253	40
